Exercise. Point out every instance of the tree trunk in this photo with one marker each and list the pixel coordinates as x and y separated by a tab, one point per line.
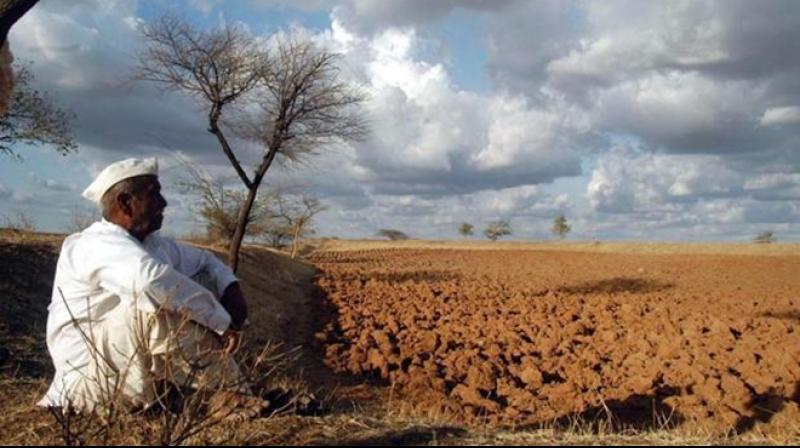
241	228
294	239
10	12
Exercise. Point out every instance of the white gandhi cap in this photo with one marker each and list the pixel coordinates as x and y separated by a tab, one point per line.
118	171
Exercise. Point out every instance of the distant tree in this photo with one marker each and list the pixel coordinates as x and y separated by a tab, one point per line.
280	216
218	206
294	213
560	227
466	229
277	233
33	118
765	237
393	235
497	229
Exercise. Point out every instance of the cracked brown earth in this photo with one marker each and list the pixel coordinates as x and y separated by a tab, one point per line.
526	336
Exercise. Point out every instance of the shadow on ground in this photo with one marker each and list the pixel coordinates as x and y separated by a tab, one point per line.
764	407
617	285
786	315
26	281
400	276
417	435
637	413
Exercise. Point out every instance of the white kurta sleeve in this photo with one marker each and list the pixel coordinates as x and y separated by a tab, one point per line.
130	272
191	261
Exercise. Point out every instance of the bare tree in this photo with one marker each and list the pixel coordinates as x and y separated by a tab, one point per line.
277	233
296	215
285	96
34	119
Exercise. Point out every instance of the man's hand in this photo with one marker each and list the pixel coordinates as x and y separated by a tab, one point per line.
233	302
231	341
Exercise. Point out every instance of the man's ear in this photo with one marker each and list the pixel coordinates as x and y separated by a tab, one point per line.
123	201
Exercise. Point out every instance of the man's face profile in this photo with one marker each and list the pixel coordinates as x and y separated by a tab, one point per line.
147	207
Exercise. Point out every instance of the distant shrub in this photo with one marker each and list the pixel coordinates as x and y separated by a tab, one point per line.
466	229
765	237
393	235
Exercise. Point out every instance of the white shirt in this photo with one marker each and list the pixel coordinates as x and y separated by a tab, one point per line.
103	268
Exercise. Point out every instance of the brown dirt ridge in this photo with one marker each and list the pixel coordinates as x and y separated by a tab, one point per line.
520	337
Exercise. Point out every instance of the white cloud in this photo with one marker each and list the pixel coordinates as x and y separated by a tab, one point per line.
22	196
625	182
428	135
518	133
372	16
680	112
781	115
773	180
205	6
682	77
628	39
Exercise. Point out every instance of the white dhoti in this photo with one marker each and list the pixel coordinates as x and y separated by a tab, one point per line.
132	352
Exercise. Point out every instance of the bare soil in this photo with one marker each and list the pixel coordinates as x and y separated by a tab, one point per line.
522	337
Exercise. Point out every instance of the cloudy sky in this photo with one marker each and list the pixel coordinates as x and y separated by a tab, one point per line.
673	120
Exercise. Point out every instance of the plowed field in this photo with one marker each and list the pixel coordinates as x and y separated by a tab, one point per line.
526	336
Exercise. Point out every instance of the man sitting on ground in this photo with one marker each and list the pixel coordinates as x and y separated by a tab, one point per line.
129	308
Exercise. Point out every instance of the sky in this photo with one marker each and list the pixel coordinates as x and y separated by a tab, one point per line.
664	121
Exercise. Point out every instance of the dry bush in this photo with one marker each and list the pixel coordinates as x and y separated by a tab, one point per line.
765	237
392	234
21	226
